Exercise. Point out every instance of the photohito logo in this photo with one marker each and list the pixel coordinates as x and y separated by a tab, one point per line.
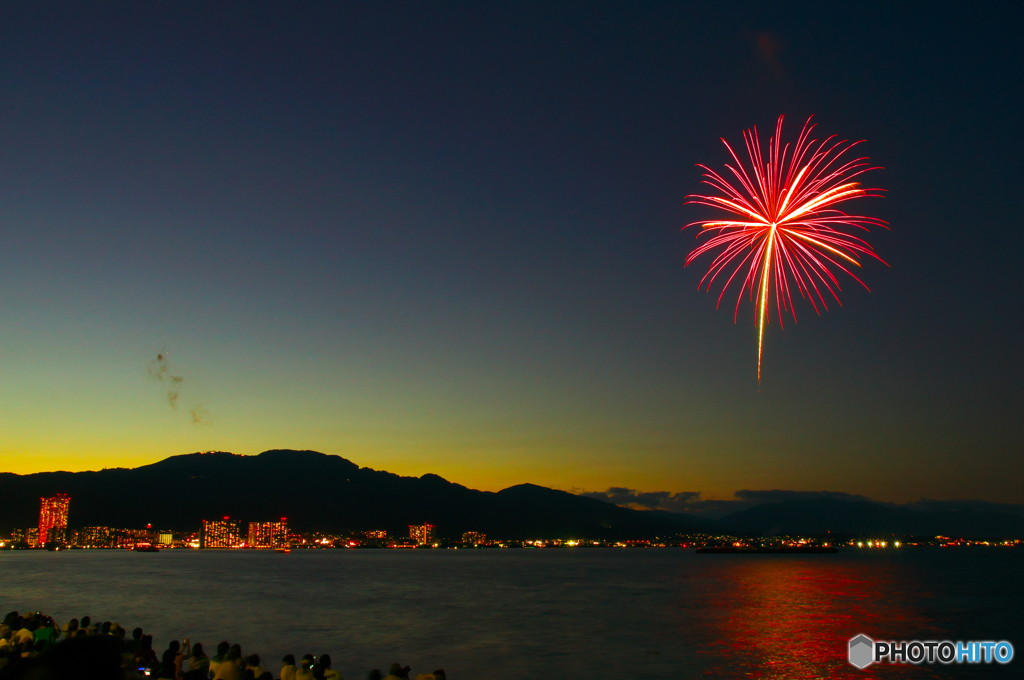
864	651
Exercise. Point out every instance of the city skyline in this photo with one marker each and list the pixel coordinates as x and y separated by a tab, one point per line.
458	511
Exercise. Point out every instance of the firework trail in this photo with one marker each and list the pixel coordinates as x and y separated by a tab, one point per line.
789	234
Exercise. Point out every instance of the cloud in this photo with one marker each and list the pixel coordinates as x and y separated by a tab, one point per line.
778	496
643	500
690	502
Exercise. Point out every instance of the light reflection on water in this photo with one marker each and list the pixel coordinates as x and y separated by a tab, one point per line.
520	613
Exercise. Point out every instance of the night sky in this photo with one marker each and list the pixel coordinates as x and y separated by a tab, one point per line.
442	237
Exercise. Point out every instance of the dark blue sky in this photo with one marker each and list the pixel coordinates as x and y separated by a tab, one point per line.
446	238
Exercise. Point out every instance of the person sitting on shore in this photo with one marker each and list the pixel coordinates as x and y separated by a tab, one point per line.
305	669
169	661
23	630
5	649
131	645
288	667
439	674
198	664
325	671
145	657
46	634
31	649
252	662
220	657
398	672
70	627
231	667
84	625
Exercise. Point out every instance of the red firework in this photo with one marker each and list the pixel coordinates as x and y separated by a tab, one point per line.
791	233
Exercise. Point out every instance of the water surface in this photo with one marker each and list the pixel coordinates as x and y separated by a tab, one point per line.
583	613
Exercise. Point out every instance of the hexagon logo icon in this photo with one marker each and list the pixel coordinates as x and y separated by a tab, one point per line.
862	651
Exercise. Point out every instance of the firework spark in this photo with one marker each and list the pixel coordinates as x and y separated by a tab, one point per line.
790	232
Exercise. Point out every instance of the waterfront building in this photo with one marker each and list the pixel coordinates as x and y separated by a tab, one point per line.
225	533
94	537
423	534
376	534
130	538
32	537
53	516
268	534
474	538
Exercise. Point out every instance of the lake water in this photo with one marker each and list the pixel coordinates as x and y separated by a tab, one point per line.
583	613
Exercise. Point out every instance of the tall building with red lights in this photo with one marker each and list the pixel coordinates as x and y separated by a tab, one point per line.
53	518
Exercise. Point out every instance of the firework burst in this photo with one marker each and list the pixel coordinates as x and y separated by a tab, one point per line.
789	232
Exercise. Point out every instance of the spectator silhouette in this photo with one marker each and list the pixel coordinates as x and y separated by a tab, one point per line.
80	658
288	667
198	664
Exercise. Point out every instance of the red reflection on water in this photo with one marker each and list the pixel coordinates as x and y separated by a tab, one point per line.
785	618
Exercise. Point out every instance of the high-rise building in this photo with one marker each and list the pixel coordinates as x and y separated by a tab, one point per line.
474	538
32	536
423	534
225	533
53	515
95	537
268	534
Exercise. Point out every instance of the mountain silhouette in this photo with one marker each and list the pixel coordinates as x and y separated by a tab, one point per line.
316	492
326	493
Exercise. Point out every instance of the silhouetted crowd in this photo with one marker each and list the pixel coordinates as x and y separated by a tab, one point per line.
34	647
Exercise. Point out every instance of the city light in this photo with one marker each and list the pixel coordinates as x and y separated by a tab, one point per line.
53	519
227	533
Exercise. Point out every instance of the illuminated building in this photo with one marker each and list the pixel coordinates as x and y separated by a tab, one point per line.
166	538
474	538
268	534
130	538
377	534
32	536
95	537
423	534
53	515
225	533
